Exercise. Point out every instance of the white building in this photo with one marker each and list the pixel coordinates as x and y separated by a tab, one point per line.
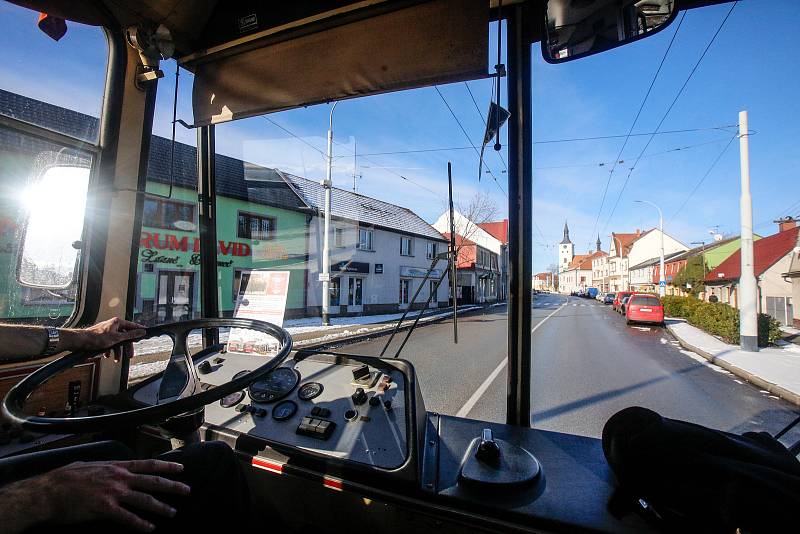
379	254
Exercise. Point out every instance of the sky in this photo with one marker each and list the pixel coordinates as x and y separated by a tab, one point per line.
752	65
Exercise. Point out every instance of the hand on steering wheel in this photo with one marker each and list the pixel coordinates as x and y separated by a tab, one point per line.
178	392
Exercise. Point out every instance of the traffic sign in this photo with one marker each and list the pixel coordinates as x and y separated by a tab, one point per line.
662	283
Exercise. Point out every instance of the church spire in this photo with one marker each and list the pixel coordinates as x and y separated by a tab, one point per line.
598	242
566	234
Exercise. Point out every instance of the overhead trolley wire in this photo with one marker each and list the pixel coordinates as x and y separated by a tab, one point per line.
700	182
672	105
633	125
468	138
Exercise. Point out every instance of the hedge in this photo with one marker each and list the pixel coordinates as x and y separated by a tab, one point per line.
719	319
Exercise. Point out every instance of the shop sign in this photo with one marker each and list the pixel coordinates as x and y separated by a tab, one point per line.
351	267
157	241
378	268
419	272
262	297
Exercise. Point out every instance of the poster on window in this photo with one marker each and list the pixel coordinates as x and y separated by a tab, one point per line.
261	296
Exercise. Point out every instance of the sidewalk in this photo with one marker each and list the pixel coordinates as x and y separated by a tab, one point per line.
773	369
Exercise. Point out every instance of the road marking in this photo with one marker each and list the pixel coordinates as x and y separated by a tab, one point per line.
473	400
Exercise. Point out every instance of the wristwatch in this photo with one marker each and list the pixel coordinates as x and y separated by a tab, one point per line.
52	341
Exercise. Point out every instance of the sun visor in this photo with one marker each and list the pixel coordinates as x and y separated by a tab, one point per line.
435	42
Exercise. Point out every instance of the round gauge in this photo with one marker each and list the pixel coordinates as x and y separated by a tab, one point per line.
229	401
309	390
284	410
275	385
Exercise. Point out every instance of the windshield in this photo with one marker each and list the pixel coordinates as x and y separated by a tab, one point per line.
636	189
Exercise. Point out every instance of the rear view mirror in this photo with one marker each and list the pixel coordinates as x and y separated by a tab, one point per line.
580	28
55	206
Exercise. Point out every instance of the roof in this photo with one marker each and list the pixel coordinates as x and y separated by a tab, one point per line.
460	240
355	207
766	252
577	261
542	276
497	229
566	240
626	241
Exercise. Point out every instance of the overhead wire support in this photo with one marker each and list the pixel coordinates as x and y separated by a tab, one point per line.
672	105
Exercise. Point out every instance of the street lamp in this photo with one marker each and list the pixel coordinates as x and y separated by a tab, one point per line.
326	256
662	283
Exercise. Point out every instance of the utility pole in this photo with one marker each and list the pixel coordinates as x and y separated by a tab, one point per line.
747	297
326	251
662	282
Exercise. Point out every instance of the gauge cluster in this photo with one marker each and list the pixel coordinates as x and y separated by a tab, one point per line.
328	405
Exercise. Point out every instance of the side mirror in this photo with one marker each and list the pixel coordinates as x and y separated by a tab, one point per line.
580	28
55	206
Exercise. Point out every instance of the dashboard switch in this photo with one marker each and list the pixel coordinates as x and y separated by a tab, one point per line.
361	373
359	397
388	405
374	401
315	428
351	415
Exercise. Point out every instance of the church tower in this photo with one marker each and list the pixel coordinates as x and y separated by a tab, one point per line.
566	250
598	243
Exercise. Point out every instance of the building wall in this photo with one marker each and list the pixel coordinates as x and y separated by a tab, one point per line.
772	283
649	246
380	290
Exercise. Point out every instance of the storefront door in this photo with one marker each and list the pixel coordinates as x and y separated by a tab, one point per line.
175	296
355	295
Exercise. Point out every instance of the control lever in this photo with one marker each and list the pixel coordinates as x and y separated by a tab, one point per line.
488	449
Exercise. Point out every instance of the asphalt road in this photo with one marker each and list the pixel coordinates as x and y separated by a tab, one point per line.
587	365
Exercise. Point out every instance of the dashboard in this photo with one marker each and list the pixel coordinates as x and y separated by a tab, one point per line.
354	408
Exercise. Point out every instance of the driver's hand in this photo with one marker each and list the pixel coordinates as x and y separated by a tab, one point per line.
104	335
114	491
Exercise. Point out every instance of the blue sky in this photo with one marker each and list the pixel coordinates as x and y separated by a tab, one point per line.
752	65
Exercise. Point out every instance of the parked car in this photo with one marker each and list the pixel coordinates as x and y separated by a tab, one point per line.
623	303
644	308
618	300
608	298
591	292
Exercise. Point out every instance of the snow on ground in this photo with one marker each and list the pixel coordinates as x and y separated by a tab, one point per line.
163	344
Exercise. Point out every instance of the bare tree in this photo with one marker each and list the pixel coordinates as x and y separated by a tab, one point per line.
480	209
553	270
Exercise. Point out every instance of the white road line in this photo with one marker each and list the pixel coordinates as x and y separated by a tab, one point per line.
473	400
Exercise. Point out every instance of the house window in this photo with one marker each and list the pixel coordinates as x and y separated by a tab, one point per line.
406	246
169	214
432	289
354	292
338	237
405	287
431	253
252	226
365	239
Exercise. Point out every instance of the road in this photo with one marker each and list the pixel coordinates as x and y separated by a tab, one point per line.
587	365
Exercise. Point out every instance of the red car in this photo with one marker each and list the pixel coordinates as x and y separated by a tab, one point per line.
644	308
616	305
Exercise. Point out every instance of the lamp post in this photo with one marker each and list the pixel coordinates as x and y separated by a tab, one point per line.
662	283
326	256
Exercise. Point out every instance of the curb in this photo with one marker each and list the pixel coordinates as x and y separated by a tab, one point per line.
775	389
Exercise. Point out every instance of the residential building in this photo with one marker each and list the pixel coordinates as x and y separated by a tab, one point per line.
499	230
616	277
542	281
479	277
772	259
793	275
379	253
578	275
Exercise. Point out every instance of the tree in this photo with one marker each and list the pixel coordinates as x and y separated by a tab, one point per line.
553	270
693	274
480	209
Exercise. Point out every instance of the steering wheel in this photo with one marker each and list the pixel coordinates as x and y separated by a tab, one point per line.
180	387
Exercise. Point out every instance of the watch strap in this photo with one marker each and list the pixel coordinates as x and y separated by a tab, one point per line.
53	338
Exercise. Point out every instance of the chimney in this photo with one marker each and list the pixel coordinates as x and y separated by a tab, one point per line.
786	223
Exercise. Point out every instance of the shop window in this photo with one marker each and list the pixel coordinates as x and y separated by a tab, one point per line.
354	293
406	246
405	287
252	226
365	239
